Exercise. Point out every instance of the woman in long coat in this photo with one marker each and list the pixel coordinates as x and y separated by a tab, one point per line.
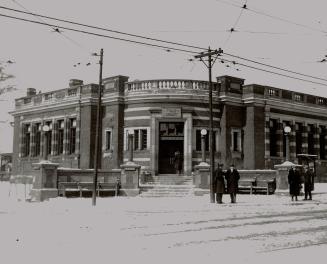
232	177
219	183
294	181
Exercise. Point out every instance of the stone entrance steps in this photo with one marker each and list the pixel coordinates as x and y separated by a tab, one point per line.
168	185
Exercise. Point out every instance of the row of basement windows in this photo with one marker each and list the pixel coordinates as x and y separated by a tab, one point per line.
27	140
298	139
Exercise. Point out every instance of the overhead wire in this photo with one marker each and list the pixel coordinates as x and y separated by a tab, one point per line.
235	24
272	72
104	29
274	67
273	16
55	29
101	35
144	37
171	48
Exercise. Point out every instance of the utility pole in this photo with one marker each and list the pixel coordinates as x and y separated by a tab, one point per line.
211	145
97	133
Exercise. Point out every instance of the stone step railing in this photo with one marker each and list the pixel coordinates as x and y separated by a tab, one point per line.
167	84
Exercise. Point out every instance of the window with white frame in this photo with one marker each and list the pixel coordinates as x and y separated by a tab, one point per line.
198	140
236	136
140	139
108	136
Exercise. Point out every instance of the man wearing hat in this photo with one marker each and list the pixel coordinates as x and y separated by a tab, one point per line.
308	182
232	178
219	182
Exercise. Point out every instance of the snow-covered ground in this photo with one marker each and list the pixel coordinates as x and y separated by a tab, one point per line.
257	229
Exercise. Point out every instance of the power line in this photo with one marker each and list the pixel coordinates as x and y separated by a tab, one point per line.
144	37
100	35
275	67
104	29
235	24
275	73
171	48
38	18
272	16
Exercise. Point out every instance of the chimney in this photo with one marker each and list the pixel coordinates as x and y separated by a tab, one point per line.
31	92
75	82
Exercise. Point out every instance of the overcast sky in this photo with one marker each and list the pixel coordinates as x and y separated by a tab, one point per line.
45	60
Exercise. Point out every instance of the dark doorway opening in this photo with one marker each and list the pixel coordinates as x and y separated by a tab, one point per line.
171	140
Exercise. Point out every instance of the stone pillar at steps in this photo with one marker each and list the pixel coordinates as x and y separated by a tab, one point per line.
130	173
45	181
202	178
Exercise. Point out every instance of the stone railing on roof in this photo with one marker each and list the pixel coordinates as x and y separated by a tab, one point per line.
167	84
90	90
282	94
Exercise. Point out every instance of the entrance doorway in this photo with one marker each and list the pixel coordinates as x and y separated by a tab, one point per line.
171	140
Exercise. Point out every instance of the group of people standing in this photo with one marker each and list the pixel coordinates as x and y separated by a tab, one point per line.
295	180
232	177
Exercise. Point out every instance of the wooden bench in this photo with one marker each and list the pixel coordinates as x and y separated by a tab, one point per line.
246	185
264	185
82	187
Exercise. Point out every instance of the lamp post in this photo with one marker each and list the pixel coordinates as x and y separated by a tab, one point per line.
287	131
203	144
45	129
130	144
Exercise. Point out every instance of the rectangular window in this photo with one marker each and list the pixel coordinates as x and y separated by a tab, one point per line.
38	140
144	139
61	136
207	137
27	132
273	137
108	139
236	140
136	139
298	137
322	143
72	136
140	139
311	139
48	137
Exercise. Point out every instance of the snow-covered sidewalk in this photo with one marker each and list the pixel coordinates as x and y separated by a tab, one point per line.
259	228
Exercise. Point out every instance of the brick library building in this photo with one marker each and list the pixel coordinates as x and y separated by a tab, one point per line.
166	116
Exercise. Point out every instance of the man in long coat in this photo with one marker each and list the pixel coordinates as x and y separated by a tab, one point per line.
308	183
294	181
232	177
219	183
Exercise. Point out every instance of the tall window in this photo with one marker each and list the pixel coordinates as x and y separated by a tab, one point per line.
273	137
140	139
284	138
61	127
27	137
298	137
198	140
311	139
72	136
48	135
108	139
322	143
236	140
38	140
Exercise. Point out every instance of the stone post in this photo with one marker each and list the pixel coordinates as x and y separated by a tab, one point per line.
282	174
45	181
202	178
130	172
